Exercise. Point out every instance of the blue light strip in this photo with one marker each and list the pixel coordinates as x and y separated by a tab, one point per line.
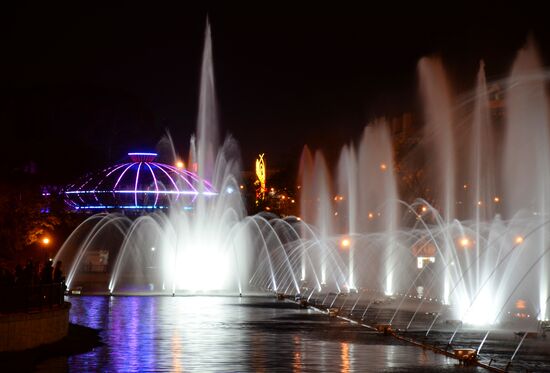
94	207
120	207
151	154
185	192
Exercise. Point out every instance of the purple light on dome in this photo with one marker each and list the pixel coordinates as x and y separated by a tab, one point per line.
179	173
136	185
156	183
142	157
169	177
124	185
122	174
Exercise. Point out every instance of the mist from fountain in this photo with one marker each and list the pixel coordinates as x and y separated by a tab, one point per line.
493	257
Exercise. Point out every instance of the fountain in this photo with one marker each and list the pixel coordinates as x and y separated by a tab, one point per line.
472	248
198	244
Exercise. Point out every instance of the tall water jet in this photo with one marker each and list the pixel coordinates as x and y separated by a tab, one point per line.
438	134
207	123
347	200
305	179
481	181
323	215
526	176
377	194
438	140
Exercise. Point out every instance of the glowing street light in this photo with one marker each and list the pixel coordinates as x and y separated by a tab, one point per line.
383	167
518	240
496	199
465	242
424	209
345	243
520	304
371	215
45	241
179	164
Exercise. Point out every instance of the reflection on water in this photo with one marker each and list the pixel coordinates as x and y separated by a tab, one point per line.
203	334
345	357
297	366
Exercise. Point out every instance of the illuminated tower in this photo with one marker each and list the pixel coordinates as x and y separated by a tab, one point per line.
261	175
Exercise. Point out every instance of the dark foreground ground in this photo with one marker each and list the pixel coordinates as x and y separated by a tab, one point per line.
80	339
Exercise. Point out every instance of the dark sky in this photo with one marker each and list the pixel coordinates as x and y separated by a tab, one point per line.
81	85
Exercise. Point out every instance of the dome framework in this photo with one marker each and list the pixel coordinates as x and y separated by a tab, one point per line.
139	184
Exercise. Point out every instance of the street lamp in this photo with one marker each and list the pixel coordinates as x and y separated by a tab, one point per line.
465	242
45	241
345	243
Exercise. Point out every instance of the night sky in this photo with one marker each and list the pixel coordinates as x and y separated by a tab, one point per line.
81	85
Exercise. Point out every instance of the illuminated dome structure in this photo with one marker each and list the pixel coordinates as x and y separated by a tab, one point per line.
139	184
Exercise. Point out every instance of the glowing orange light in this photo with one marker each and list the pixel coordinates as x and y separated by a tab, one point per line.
496	199
45	240
345	243
241	186
371	215
383	166
299	218
465	242
424	209
520	304
292	201
465	186
341	198
518	240
179	164
479	203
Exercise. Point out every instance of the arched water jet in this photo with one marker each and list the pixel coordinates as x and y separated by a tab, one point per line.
496	267
537	261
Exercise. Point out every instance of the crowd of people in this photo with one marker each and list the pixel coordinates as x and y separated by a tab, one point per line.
33	273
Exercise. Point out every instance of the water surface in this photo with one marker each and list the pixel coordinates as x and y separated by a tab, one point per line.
230	334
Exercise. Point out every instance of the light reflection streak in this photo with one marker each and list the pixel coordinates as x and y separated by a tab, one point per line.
297	361
344	355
